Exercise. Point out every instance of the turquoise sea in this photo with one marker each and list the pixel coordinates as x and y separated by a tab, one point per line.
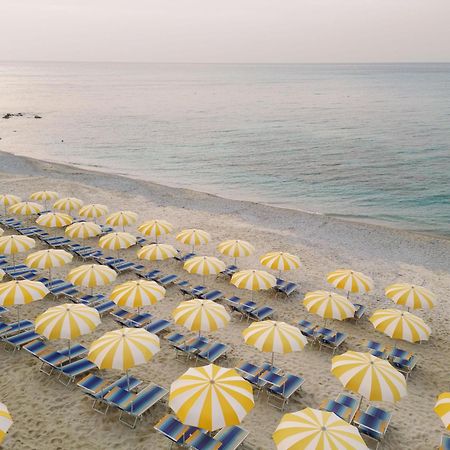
364	142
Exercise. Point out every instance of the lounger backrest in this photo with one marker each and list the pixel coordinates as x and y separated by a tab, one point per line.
380	413
231	437
347	400
145	399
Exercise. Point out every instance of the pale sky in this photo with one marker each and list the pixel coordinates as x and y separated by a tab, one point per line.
243	31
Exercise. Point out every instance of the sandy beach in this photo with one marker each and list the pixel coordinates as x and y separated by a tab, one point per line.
49	416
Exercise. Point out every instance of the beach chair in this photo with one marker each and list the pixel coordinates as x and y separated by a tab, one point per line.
69	372
152	275
191	347
9	329
333	341
229	271
89	300
259	314
36	347
199	440
212	295
342	411
373	424
183	258
170	427
231	437
137	320
360	311
445	442
105	307
285	287
167	279
3	310
214	352
158	326
350	401
282	393
405	365
193	291
18	340
176	338
120	314
377	349
139	403
251	373
55	360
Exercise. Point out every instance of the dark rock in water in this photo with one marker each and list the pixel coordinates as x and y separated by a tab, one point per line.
37	117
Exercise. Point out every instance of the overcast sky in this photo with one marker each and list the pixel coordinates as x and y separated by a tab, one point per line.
225	31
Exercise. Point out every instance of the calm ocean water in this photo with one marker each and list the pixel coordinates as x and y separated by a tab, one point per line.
366	142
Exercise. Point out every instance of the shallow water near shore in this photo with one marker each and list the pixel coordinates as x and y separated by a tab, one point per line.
361	142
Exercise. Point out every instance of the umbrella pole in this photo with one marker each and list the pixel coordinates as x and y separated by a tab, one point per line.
18	315
69	351
14	259
92	290
49	274
272	359
128	381
235	261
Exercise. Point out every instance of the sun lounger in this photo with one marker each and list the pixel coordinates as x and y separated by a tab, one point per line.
193	291
167	279
333	341
36	347
445	442
370	426
342	411
199	440
251	373
212	295
176	338
285	287
351	402
158	326
120	314
360	311
55	360
137	320
229	271
18	340
89	300
405	365
184	258
140	403
231	437
283	392
262	313
10	329
214	352
105	307
71	371
152	275
174	430
191	347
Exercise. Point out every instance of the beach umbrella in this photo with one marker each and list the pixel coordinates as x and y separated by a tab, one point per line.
122	219
67	321
5	421
350	281
116	241
54	220
15	243
410	295
68	204
25	208
374	378
204	265
157	252
200	315
137	293
236	248
93	211
280	261
8	200
399	324
155	228
21	292
211	397
44	196
329	305
83	230
48	259
442	408
92	275
253	280
274	337
193	237
313	429
123	349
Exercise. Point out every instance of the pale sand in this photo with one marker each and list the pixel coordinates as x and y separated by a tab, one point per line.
50	416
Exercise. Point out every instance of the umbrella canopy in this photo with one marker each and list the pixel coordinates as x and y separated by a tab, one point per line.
253	280
8	200
48	259
92	275
312	429
280	261
44	196
410	295
68	204
374	378
15	243
193	237
25	208
5	421
83	230
54	220
442	408
117	240
93	211
155	228
136	294
329	305
236	248
123	349
67	321
200	315
211	397
122	219
399	324
157	252
350	281
204	265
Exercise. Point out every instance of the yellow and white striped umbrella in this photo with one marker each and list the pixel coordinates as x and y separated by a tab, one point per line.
211	397
44	196
54	220
123	349
201	315
26	208
442	408
155	228
374	378
68	204
117	240
93	211
156	252
5	421
137	293
83	230
92	275
193	237
280	261
8	200
313	429
253	280
399	324
67	321
204	265
329	305
48	259
410	295
15	243
350	281
122	219
236	248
